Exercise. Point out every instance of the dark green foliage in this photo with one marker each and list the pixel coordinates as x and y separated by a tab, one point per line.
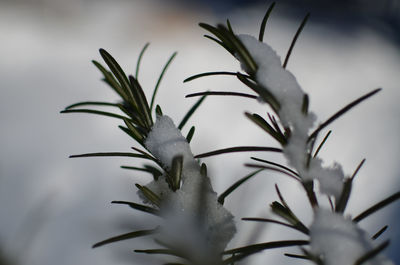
246	251
237	184
322	143
151	196
160	78
139	207
296	36
373	253
137	118
190	112
277	165
209	74
175	175
343	111
239	149
190	134
377	207
277	135
380	232
221	93
264	22
126	236
146	168
140	59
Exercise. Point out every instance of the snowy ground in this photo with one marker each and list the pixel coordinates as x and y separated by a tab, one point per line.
45	65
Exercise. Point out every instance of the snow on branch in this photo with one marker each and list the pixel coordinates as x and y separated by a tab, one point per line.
282	84
195	222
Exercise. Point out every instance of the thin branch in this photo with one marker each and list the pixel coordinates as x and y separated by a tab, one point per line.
296	36
377	207
342	111
239	149
221	93
264	22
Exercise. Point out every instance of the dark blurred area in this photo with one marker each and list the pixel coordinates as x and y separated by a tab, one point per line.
347	15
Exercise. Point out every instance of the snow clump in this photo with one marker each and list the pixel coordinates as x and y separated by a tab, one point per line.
337	240
195	222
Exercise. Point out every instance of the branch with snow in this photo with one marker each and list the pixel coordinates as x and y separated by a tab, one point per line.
284	87
331	234
195	222
338	240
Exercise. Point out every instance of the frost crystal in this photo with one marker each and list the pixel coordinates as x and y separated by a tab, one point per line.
283	86
195	222
338	240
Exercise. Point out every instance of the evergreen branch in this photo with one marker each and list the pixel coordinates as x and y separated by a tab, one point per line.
126	236
98	112
373	253
190	134
217	41
344	197
261	91
135	117
296	222
111	81
234	186
160	78
347	186
358	168
223	41
191	112
140	59
148	155
139	207
119	74
322	143
263	124
157	251
264	22
147	168
120	154
175	173
193	77
305	105
377	207
309	188
273	169
221	93
239	149
275	164
342	111
141	101
149	194
252	249
295	256
158	110
240	50
379	233
91	103
275	124
228	24
134	132
296	36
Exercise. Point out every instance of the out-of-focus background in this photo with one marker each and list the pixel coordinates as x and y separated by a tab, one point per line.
52	209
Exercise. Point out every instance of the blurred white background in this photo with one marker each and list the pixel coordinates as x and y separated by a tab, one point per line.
54	208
